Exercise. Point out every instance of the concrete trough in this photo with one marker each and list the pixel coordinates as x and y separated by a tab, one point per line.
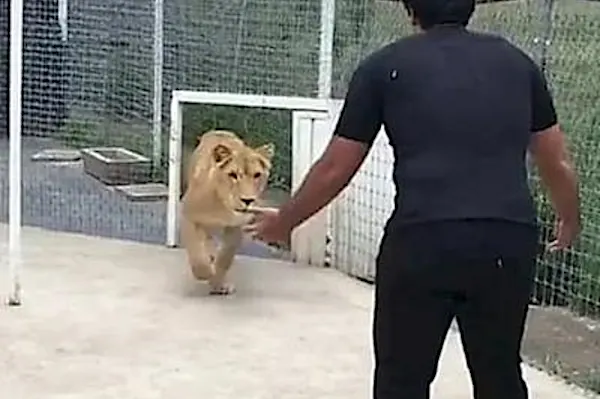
116	166
144	192
56	155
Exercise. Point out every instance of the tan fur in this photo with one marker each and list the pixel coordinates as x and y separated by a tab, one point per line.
220	175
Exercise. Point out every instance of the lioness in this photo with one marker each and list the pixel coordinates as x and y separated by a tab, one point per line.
223	180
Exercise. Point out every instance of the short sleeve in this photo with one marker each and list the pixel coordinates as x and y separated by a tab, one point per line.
361	115
542	107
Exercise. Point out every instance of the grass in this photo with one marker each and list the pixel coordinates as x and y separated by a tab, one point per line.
256	126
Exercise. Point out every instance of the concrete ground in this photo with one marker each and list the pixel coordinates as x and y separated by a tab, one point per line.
112	319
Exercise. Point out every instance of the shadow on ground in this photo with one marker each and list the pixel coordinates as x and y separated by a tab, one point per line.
564	344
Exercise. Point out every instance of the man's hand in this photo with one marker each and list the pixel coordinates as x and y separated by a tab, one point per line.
325	179
269	227
566	233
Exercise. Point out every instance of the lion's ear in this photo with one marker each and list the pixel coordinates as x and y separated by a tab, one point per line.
267	150
221	152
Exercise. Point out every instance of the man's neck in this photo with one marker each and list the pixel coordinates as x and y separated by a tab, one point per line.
446	26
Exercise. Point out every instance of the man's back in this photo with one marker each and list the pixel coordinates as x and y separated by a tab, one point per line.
456	106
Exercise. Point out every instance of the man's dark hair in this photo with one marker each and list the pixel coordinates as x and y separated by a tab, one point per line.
437	12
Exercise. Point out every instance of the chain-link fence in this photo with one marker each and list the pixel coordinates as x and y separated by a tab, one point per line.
563	36
89	82
266	47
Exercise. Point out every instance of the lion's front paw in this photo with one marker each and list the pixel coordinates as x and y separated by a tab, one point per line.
222	289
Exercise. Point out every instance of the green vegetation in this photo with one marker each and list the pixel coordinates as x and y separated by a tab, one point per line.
255	125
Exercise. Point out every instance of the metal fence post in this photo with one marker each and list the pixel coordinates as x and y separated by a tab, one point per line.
546	39
543	43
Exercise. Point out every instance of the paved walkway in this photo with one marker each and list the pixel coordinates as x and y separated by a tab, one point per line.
113	319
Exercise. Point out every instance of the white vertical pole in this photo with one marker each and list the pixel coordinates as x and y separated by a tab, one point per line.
326	48
158	83
63	19
325	89
14	204
175	144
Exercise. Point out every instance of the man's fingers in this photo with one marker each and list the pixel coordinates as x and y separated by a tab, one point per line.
260	210
249	228
557	245
255	211
252	231
553	246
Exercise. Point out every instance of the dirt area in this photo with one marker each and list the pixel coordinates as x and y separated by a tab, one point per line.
564	344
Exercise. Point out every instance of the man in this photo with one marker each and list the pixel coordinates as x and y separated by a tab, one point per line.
460	110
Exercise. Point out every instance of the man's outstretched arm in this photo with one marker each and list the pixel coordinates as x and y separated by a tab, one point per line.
325	180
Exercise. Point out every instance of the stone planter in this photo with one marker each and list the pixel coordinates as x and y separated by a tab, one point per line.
116	165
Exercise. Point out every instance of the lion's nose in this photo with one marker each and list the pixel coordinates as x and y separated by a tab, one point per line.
247	201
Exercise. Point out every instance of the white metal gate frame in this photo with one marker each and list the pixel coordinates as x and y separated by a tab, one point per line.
308	241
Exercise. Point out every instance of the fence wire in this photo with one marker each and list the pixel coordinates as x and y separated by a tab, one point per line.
88	82
244	46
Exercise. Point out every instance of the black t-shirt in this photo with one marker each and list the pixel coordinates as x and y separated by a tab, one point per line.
459	109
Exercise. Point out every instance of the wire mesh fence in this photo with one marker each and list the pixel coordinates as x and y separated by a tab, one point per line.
88	86
247	46
87	83
563	36
256	126
244	46
4	60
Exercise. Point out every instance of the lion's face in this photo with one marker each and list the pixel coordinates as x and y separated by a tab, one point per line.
241	174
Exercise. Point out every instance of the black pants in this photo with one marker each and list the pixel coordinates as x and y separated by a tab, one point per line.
479	272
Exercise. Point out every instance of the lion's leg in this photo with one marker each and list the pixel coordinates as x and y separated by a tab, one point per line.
232	238
200	249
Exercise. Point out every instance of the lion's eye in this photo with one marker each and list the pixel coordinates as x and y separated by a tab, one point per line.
233	175
257	175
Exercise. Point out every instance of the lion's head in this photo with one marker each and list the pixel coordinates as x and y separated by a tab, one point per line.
241	173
